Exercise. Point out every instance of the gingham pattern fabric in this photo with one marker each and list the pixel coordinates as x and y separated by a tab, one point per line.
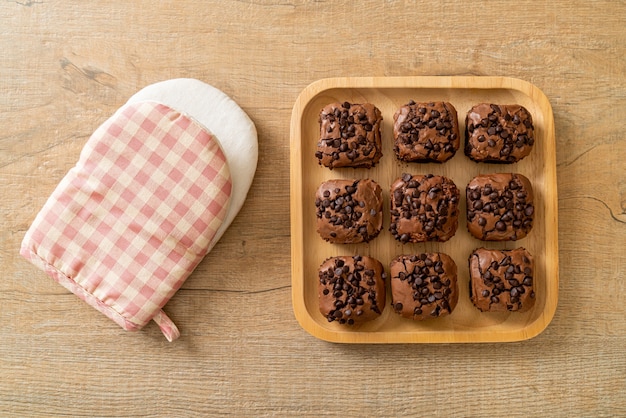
128	224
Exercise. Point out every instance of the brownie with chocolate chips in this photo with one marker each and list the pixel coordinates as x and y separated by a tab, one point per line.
423	208
351	289
426	132
502	280
423	286
498	133
350	135
349	211
499	207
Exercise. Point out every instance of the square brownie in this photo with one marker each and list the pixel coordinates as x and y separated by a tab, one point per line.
499	207
424	285
350	135
351	289
426	132
349	211
423	208
498	133
502	280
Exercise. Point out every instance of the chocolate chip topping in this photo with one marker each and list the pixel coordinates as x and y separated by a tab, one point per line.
351	289
426	132
423	208
350	135
424	285
498	133
349	211
499	207
502	280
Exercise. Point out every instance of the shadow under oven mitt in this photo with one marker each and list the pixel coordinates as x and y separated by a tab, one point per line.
154	189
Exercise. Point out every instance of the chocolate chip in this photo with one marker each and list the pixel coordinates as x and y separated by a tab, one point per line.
513	282
529	210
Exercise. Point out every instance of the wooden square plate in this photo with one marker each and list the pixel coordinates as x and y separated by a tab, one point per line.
308	250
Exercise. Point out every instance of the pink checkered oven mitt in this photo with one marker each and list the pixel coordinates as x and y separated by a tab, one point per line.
129	223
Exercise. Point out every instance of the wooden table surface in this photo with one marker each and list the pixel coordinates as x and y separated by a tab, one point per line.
66	66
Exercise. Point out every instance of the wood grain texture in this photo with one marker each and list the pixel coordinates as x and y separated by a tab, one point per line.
66	66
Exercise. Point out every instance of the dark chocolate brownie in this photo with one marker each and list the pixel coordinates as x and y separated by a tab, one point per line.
423	208
501	280
426	132
499	207
350	135
498	133
351	289
349	211
424	286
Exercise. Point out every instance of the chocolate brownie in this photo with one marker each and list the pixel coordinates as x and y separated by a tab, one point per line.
423	208
349	135
351	289
423	286
426	132
498	133
499	207
349	211
501	280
